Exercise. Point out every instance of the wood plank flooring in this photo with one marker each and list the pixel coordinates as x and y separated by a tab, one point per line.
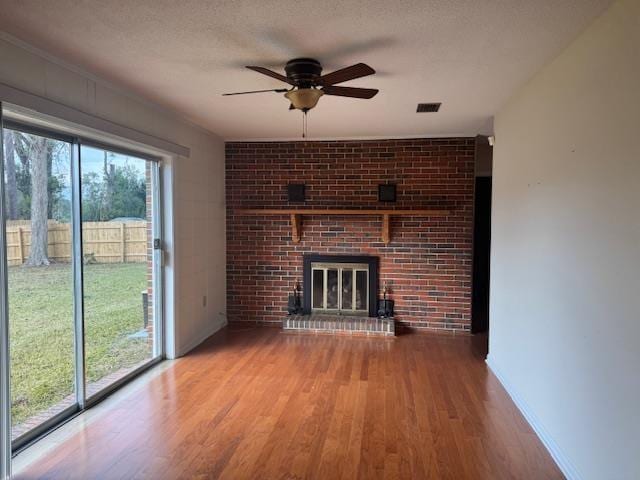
259	403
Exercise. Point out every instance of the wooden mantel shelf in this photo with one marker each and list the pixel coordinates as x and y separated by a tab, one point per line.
338	211
297	213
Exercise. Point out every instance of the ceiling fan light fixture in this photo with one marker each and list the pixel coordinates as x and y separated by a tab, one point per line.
304	98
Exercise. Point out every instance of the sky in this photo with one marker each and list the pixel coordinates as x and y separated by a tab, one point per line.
93	161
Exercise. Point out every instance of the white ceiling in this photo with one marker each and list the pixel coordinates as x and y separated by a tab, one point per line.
470	55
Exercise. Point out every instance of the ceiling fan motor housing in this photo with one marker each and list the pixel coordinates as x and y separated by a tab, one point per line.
304	72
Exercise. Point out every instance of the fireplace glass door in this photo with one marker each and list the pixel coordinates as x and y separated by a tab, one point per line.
340	288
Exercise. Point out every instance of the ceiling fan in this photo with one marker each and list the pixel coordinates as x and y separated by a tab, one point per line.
304	75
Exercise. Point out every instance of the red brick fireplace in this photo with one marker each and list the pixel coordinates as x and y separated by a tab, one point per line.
427	263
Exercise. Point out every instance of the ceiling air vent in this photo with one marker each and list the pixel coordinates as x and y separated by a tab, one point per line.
428	107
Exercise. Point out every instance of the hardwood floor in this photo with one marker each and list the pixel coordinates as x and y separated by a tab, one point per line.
258	403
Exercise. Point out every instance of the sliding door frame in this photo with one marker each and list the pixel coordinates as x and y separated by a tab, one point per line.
5	394
8	447
58	418
78	274
158	353
157	214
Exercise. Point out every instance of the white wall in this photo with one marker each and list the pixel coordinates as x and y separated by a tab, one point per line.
565	263
198	260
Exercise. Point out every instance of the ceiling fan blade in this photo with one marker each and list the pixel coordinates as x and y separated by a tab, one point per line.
344	74
350	92
271	73
277	90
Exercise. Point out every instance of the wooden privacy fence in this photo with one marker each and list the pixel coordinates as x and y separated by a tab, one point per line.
103	242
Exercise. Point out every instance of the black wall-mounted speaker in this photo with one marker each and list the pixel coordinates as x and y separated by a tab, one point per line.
295	192
386	193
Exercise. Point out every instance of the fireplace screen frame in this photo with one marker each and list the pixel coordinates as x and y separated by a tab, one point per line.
371	264
343	305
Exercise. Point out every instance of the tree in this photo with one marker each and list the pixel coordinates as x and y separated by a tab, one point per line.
38	254
55	150
10	170
22	143
58	156
127	193
119	192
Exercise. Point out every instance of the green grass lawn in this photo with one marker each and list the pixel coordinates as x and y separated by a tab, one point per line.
41	329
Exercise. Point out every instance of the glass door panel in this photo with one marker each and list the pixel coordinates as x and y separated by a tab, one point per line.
362	288
37	185
318	289
347	289
332	289
119	205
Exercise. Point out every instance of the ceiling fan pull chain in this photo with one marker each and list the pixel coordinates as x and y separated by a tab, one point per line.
304	124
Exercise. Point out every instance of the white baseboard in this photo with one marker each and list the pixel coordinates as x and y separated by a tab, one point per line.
212	328
565	465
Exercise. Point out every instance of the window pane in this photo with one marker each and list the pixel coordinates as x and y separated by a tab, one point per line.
318	288
332	288
347	289
37	180
362	301
118	265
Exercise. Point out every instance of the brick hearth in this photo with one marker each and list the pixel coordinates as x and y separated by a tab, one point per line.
323	323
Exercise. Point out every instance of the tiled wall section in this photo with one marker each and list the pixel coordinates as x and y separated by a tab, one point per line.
427	265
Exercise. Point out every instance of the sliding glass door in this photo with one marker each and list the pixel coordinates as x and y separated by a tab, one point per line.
37	186
80	280
118	205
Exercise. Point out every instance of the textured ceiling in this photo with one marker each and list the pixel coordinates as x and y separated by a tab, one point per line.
470	55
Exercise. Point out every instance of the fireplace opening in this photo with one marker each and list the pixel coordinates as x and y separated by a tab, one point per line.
340	288
340	284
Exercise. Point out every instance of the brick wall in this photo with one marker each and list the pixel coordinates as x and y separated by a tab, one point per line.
427	264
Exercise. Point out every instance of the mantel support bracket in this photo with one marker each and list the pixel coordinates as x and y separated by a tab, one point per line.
296	227
386	229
